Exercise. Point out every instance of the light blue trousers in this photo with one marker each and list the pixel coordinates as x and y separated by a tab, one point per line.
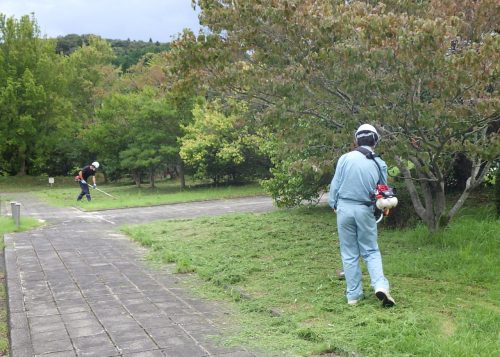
357	230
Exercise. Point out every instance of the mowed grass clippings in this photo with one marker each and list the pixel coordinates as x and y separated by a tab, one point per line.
280	269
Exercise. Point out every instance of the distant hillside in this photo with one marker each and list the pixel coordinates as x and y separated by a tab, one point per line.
127	52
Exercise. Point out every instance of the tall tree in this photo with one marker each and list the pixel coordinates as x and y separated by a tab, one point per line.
136	133
220	145
34	111
315	70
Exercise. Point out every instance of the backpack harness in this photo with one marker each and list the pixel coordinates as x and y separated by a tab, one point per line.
383	196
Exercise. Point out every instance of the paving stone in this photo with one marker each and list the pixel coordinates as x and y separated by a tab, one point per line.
47	327
76	316
22	351
96	291
45	300
156	321
64	288
38	321
135	333
59	334
16	305
67	295
200	329
99	352
83	322
114	311
124	290
94	345
44	347
161	334
42	310
121	318
136	345
18	320
83	331
180	346
175	341
61	354
88	294
235	354
71	309
101	299
154	353
20	337
114	328
143	308
35	285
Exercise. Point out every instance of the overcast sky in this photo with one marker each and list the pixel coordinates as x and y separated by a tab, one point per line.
112	19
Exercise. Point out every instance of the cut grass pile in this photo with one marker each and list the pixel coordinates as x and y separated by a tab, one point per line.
280	271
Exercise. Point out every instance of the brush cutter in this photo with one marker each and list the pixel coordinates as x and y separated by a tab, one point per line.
78	179
107	194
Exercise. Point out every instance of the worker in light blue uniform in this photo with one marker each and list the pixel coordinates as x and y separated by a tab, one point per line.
355	178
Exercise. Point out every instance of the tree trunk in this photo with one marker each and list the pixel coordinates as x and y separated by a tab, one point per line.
137	178
432	193
432	211
152	178
182	178
22	162
479	171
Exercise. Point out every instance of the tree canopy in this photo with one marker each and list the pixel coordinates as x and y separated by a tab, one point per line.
273	89
424	73
127	53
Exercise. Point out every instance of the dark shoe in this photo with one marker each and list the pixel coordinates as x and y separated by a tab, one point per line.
384	296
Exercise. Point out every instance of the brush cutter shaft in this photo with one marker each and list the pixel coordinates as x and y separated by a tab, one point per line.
107	194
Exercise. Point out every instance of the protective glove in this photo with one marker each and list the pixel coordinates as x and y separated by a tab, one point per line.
94	186
83	181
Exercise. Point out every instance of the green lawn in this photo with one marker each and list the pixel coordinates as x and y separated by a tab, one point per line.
6	226
65	191
279	269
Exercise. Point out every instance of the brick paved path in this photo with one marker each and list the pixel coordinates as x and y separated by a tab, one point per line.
78	287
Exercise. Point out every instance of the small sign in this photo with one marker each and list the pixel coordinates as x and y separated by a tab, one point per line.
51	180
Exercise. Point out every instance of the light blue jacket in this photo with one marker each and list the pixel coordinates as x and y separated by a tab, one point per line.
355	178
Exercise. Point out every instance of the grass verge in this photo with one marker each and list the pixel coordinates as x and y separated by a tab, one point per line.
279	270
131	196
6	226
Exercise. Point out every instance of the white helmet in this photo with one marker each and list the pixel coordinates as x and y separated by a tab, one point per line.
95	164
367	130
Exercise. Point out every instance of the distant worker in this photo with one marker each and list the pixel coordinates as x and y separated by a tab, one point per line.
356	176
83	177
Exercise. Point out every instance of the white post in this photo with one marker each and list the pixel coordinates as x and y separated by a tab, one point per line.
12	208
17	214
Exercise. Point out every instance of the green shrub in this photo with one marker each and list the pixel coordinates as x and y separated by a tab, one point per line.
290	187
